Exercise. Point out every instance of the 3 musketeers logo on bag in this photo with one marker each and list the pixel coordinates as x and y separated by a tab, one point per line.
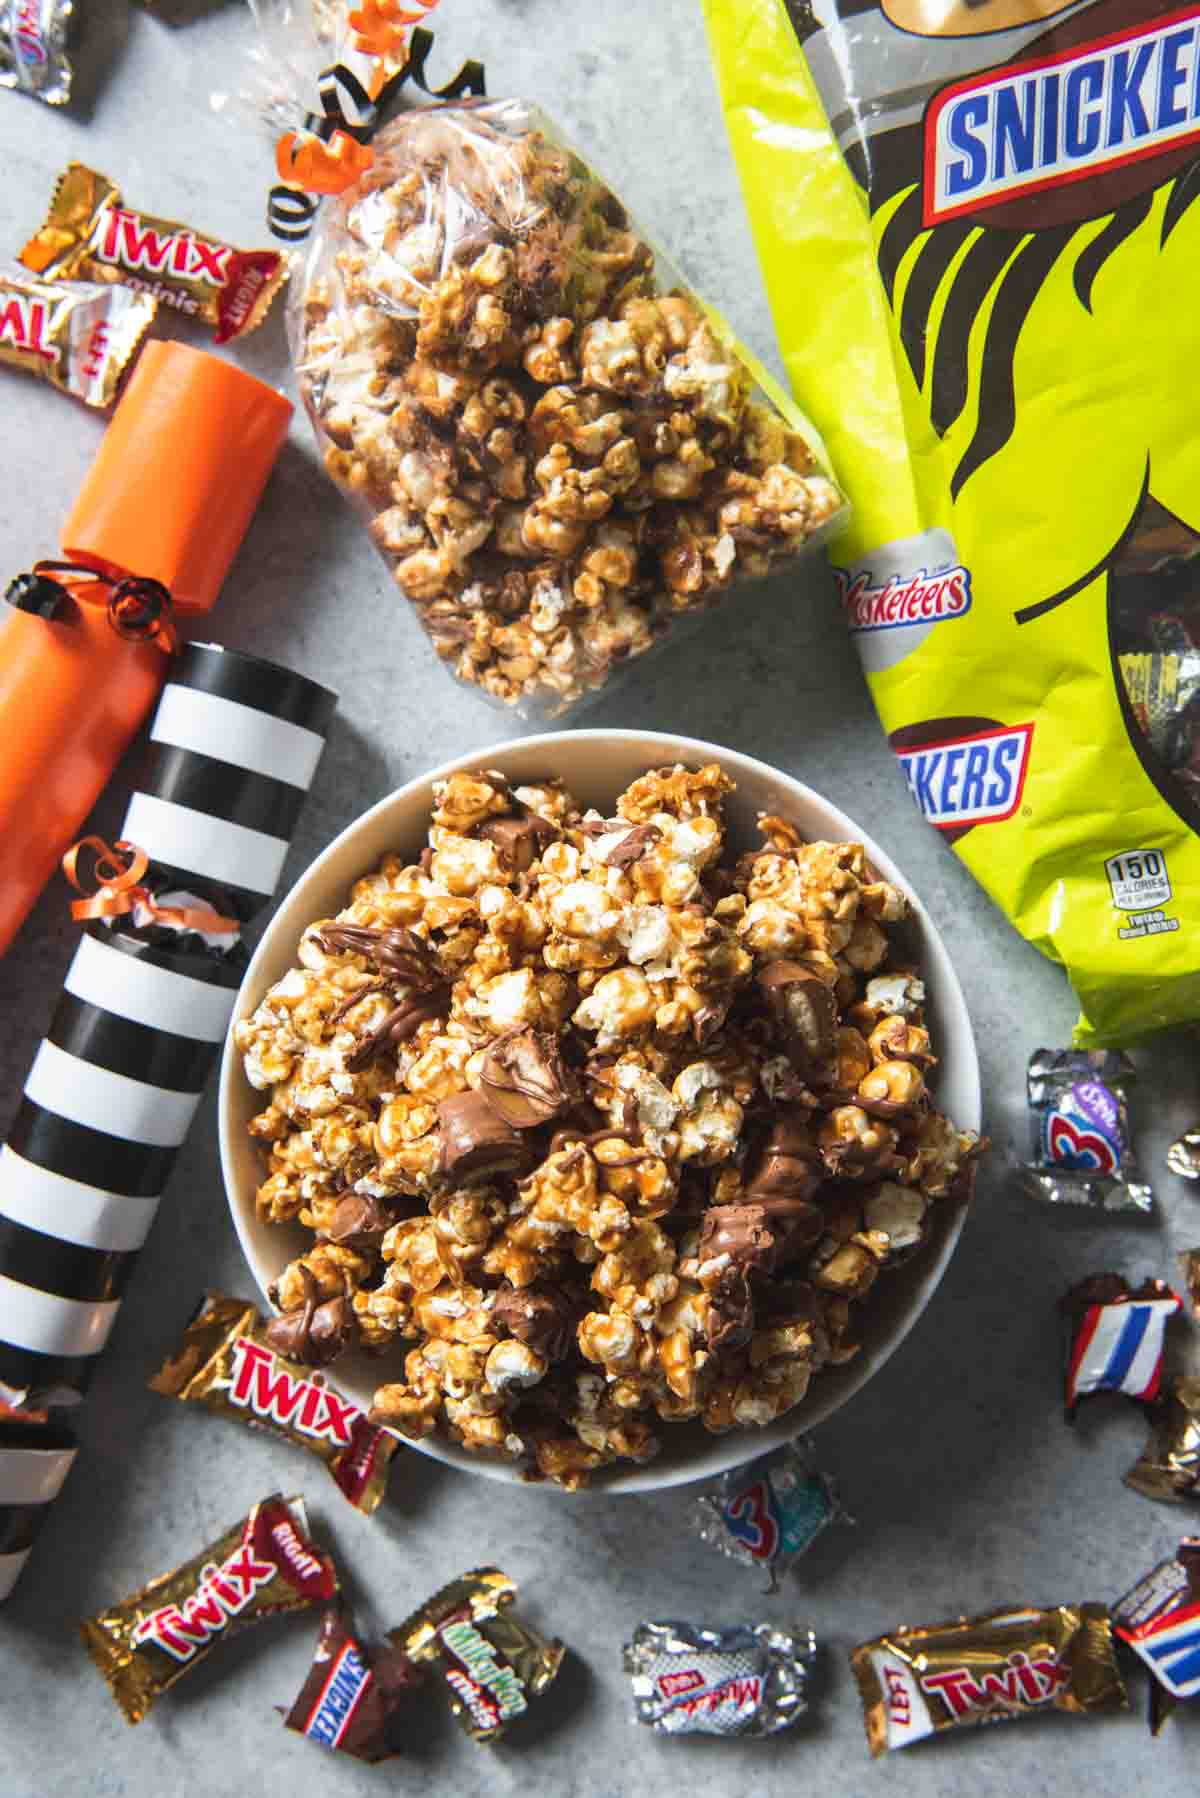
900	600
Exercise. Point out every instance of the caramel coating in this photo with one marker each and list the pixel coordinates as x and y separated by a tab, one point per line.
557	457
603	1175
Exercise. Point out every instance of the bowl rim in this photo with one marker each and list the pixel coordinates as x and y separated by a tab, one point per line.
738	1446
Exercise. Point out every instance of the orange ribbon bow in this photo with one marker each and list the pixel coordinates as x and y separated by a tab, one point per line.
120	890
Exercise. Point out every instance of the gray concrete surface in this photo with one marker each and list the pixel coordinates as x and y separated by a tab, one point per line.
968	1489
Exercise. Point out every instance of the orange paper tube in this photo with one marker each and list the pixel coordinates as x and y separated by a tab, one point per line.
169	496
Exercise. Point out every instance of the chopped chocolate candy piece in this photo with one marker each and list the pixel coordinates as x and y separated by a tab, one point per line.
401	1023
730	1310
519	841
790	1165
347	1702
633	846
475	1139
359	1221
525	1079
803	1005
761	1234
542	1317
316	1333
396	952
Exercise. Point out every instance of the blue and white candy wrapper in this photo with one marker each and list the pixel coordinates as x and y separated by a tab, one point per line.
769	1512
1082	1153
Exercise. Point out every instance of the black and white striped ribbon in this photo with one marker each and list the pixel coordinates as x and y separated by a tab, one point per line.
111	1093
35	1459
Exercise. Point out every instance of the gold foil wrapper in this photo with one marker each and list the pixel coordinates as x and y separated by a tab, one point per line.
79	336
266	1564
491	1663
91	235
1168	1468
226	1364
920	1682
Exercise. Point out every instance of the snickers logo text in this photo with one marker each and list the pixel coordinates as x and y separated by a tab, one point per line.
124	239
965	780
921	599
261	1385
1097	106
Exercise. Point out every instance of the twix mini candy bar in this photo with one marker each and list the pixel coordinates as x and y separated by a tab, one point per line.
228	1363
491	1663
266	1564
920	1682
90	234
78	335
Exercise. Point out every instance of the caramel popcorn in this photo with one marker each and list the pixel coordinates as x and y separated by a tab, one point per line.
596	1128
558	457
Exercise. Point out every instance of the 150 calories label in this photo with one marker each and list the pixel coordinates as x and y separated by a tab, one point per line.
1141	886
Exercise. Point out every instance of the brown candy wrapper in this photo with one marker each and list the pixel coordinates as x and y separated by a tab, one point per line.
1189	1263
348	1703
227	1363
89	235
1168	1468
491	1663
265	1564
920	1682
77	335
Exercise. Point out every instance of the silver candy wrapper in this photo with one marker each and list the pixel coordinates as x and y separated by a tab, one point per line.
33	48
748	1680
1079	1112
769	1512
1183	1157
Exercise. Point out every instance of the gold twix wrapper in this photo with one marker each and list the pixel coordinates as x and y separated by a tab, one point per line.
492	1663
77	335
919	1682
228	1363
265	1564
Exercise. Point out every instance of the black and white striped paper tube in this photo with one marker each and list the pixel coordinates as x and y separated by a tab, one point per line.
235	743
34	1461
111	1093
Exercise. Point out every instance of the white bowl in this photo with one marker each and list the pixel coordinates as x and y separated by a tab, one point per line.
597	765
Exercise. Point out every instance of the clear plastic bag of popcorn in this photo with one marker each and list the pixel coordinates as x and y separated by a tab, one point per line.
561	451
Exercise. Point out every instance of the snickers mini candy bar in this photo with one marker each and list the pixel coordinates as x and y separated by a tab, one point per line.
491	1664
266	1564
349	1701
921	1682
229	1361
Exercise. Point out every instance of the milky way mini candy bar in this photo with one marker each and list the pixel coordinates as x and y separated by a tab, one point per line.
228	1362
266	1564
90	235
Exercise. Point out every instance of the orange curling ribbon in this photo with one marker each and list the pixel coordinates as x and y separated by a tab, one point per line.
139	609
380	27
118	869
304	161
